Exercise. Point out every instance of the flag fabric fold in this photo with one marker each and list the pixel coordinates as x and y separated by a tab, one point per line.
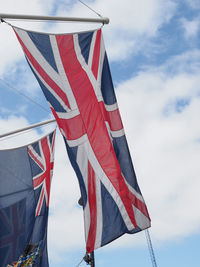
74	75
25	179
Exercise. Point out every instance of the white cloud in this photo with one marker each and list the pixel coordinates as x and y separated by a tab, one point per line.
10	50
143	17
132	24
21	7
10	124
191	27
13	123
165	147
19	77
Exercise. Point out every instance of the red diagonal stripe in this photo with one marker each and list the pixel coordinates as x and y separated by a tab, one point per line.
73	128
139	205
112	117
39	163
93	209
47	156
43	74
93	120
40	202
96	54
37	181
46	176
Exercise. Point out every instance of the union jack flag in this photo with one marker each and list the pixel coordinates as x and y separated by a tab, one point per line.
25	178
41	155
74	74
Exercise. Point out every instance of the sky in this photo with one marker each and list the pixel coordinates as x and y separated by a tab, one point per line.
154	55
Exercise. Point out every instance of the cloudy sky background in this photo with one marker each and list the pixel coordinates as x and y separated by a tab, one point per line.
153	48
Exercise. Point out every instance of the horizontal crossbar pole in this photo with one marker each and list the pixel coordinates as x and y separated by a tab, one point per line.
103	20
27	128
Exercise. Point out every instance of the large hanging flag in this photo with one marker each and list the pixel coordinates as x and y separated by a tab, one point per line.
73	72
25	179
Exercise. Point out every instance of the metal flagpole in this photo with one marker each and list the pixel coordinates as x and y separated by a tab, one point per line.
27	128
103	20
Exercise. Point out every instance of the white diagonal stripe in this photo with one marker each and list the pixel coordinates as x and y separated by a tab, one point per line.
82	162
38	175
101	60
133	191
118	133
85	67
52	146
42	155
111	107
62	103
78	141
38	56
91	52
68	115
99	213
40	200
142	221
110	188
40	159
45	190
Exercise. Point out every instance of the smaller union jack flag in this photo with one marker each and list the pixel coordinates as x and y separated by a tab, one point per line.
25	179
42	159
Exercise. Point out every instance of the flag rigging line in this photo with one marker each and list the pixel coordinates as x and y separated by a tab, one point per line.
30	127
24	95
90	8
150	247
